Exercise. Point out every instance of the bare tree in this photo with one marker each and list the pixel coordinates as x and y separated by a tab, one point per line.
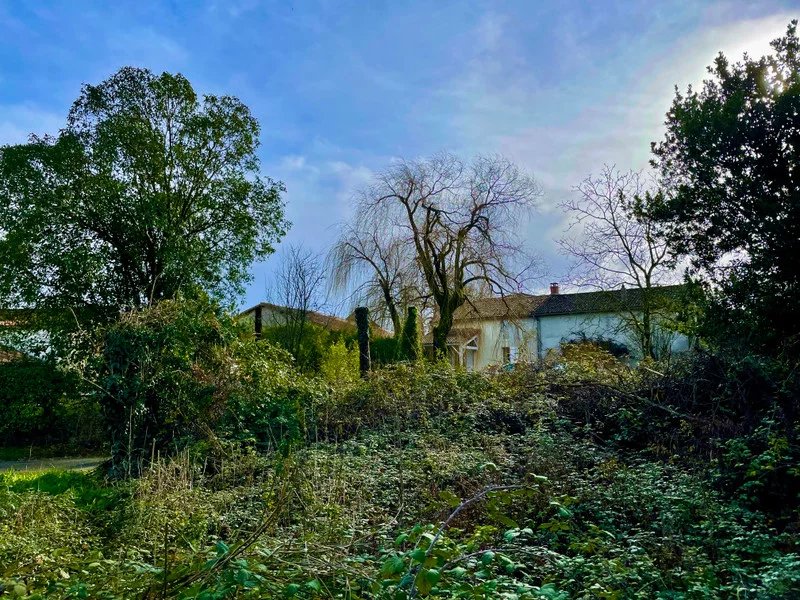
615	243
376	267
299	287
460	222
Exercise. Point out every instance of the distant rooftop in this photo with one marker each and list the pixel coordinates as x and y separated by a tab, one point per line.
527	305
330	322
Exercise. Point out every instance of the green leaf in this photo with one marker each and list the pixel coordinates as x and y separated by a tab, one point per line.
458	572
222	548
424	585
418	554
392	566
449	497
433	575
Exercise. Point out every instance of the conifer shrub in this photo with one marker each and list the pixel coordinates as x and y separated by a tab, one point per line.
410	345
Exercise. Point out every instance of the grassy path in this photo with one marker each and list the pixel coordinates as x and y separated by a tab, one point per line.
41	464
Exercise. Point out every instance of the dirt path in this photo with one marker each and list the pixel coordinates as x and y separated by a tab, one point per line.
69	464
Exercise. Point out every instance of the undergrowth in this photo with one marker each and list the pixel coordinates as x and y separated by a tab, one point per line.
579	480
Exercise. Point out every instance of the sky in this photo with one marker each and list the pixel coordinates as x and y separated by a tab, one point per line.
341	89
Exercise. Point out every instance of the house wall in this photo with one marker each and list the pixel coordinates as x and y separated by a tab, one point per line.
269	316
556	329
552	331
495	334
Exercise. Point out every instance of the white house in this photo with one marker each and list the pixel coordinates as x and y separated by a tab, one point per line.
524	327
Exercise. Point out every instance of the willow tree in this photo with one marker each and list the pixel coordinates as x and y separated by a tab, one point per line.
461	222
148	190
374	265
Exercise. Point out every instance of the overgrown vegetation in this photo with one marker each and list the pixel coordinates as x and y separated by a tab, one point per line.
580	478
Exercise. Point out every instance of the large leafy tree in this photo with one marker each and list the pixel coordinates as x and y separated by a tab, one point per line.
730	156
148	190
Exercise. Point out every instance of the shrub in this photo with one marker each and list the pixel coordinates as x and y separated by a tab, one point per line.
410	345
340	364
42	404
383	351
310	351
182	370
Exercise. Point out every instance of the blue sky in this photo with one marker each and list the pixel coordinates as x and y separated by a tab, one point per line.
343	88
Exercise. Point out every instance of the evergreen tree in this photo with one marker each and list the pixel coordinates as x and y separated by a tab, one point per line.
410	345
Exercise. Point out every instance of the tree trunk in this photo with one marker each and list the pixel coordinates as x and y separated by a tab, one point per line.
440	332
647	322
362	322
394	314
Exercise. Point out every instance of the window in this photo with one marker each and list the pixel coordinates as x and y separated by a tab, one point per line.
510	354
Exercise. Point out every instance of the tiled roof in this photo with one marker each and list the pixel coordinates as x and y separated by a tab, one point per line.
506	307
457	335
604	301
526	305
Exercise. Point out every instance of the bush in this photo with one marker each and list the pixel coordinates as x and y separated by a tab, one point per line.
414	396
40	404
310	351
181	371
410	344
383	351
340	364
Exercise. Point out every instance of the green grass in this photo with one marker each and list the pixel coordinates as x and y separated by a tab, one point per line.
88	491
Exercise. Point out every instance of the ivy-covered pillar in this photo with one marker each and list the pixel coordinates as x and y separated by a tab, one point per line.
362	322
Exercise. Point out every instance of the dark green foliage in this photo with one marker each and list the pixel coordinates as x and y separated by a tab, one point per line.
43	405
362	324
410	343
730	156
181	371
383	351
148	190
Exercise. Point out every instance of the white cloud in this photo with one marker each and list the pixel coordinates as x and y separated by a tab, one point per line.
593	126
608	114
293	163
319	195
19	121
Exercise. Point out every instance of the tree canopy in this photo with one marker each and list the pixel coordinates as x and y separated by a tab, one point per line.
147	191
730	158
373	261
